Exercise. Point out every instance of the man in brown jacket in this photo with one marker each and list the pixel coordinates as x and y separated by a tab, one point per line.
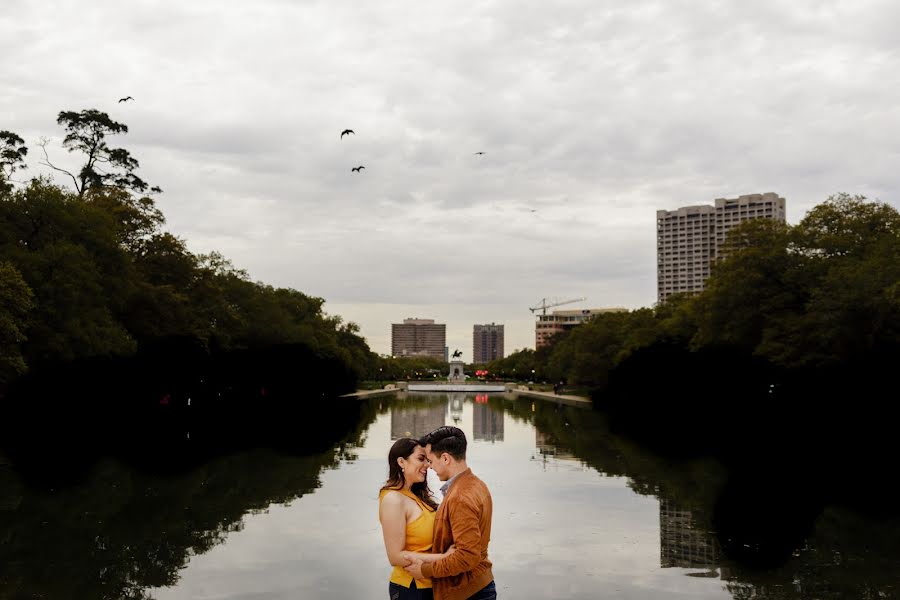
463	520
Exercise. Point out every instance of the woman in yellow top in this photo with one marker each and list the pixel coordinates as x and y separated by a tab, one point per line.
406	511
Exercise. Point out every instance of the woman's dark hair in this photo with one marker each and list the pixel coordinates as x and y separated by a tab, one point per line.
447	439
405	447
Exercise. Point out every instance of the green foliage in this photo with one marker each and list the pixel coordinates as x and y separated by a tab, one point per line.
95	274
514	366
67	253
758	285
387	368
136	218
105	279
823	293
12	156
814	295
15	304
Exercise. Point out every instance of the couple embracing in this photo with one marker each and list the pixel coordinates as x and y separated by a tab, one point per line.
437	552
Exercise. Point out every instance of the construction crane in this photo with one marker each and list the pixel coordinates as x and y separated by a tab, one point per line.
543	306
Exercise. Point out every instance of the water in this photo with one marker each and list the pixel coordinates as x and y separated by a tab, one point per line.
578	513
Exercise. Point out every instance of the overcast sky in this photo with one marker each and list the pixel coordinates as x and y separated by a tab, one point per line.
592	115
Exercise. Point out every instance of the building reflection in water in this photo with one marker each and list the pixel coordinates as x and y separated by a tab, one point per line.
682	544
415	422
487	422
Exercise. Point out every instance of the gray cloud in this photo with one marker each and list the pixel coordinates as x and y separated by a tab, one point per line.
593	114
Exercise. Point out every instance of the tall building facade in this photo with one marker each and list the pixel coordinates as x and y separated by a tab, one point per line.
418	337
691	238
487	343
547	326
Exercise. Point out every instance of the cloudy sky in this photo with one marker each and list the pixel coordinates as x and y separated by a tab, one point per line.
592	115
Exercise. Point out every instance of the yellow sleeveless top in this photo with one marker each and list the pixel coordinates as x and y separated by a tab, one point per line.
419	536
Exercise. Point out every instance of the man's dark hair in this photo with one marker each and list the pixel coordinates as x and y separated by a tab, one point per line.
447	439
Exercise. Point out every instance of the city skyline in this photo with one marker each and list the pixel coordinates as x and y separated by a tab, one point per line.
591	116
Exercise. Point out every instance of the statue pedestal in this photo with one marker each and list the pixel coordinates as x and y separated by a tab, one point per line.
457	372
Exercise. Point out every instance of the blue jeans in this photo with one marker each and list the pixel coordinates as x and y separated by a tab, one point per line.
488	592
398	592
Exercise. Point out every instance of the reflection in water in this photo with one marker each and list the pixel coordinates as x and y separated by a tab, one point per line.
416	421
487	423
457	399
548	445
120	532
846	556
682	543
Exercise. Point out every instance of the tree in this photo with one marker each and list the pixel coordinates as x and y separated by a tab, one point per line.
86	132
758	284
137	218
67	252
853	263
846	225
12	156
15	304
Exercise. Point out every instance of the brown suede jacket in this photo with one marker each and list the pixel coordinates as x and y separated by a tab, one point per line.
463	519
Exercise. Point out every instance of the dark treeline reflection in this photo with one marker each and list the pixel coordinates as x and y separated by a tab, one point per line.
129	518
173	404
748	529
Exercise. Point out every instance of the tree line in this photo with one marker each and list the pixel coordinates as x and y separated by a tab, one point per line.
795	337
822	294
88	272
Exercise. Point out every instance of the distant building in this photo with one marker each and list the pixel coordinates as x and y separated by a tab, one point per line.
487	343
560	320
419	337
691	238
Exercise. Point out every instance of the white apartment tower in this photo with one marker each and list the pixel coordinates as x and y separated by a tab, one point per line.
691	238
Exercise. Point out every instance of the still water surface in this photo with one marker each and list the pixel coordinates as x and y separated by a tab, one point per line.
578	513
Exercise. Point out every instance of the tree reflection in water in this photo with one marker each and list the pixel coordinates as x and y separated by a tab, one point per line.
121	530
841	554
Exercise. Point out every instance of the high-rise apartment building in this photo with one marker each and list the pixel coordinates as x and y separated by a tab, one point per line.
418	337
547	326
691	238
487	343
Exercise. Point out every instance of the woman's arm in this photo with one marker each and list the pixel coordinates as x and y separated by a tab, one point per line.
392	515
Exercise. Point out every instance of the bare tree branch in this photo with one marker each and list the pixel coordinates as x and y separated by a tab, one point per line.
43	144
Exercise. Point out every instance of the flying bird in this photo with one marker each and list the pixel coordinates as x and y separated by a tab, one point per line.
346	131
477	153
126	99
357	169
